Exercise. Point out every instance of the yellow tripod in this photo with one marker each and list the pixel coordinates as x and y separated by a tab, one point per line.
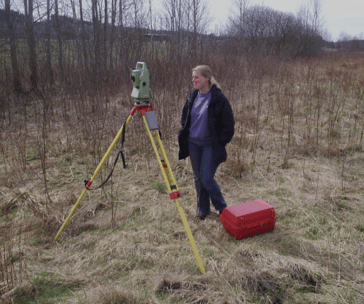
151	125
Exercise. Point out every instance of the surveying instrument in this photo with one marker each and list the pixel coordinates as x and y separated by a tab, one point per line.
142	94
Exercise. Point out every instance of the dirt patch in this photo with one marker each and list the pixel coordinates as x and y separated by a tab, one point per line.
167	286
190	292
77	230
266	286
308	281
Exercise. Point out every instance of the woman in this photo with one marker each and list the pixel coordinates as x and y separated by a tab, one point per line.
207	126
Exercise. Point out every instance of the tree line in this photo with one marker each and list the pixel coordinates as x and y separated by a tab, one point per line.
263	30
68	42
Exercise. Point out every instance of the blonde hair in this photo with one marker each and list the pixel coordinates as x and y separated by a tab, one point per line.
206	72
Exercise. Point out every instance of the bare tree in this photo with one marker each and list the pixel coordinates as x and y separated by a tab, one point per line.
112	34
311	27
75	28
106	21
150	15
97	42
344	36
174	13
198	14
49	71
29	31
124	6
260	30
238	16
122	45
316	17
138	13
13	51
83	40
60	41
152	21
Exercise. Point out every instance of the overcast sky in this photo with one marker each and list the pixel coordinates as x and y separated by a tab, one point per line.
340	16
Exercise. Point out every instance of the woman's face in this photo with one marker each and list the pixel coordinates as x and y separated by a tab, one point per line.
199	82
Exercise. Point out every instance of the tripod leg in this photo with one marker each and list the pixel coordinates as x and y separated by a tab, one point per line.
105	157
173	191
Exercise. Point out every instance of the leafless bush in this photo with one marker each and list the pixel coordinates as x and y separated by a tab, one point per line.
13	265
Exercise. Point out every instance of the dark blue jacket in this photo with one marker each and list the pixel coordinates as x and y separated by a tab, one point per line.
220	121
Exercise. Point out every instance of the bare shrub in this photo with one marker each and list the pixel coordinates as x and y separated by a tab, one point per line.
13	266
41	211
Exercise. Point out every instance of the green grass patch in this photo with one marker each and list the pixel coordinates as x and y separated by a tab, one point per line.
32	155
160	187
360	227
208	252
283	192
45	288
281	179
313	233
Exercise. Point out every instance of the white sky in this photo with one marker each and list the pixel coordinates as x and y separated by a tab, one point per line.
339	16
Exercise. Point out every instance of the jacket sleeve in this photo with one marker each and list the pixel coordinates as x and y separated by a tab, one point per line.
184	115
227	123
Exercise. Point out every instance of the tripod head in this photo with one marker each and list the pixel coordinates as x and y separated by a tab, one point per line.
140	78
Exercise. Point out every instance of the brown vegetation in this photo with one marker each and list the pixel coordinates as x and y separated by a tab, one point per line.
298	145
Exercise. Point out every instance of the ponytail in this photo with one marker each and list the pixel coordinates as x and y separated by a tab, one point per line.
213	81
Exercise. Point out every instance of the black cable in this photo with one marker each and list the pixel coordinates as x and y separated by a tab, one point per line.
116	160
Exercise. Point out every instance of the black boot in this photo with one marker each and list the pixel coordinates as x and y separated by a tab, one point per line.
202	216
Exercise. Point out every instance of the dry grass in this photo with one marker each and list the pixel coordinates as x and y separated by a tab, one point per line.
298	146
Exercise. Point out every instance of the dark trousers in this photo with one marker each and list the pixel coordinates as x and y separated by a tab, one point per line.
204	170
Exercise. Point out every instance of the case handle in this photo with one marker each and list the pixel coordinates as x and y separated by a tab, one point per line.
260	224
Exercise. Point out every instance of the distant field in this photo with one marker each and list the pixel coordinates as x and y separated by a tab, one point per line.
298	145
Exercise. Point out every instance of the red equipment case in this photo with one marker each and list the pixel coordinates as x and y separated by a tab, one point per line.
248	219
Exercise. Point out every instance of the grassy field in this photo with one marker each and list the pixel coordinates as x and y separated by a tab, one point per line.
297	145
